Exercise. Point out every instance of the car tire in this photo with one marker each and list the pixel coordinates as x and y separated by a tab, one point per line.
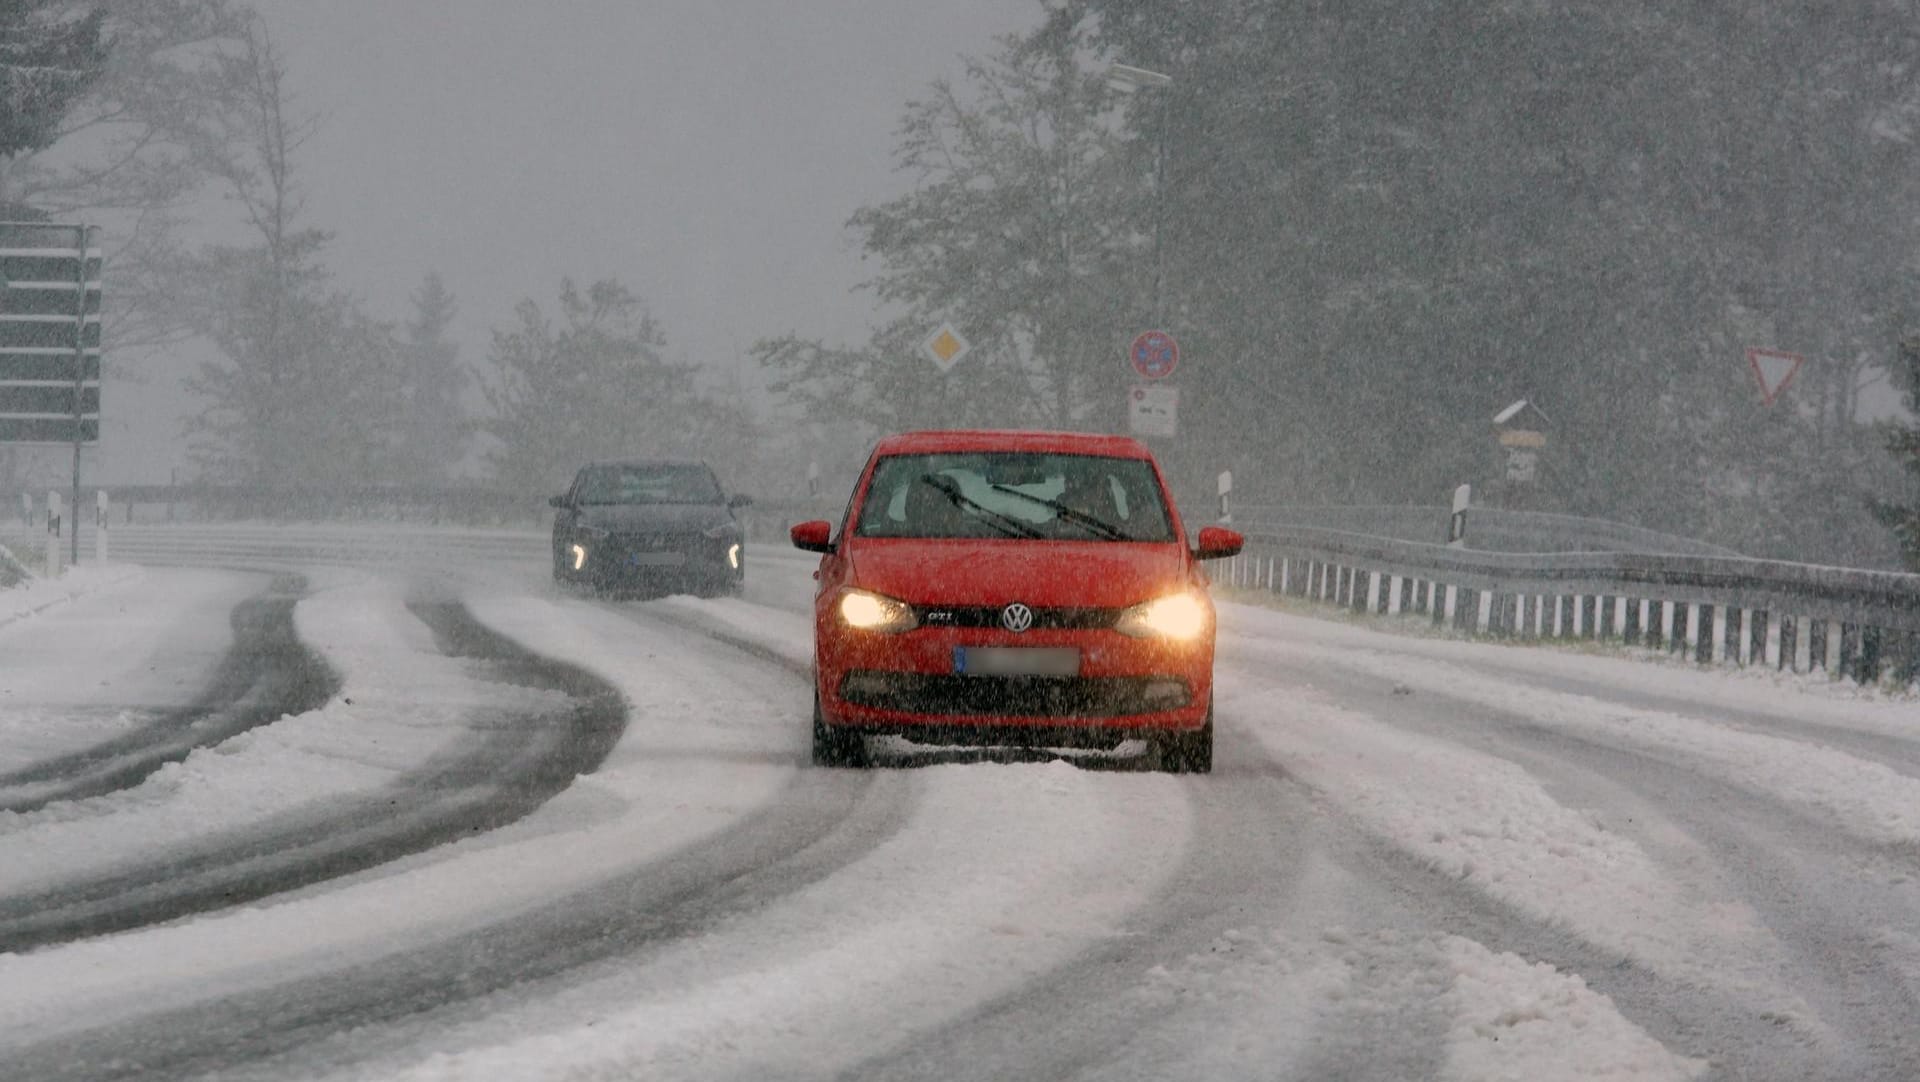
1186	753
836	748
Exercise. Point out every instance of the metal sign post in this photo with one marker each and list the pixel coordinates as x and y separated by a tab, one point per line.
50	341
79	375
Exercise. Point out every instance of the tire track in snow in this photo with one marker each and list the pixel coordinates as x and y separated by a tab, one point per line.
266	674
1840	1000
824	822
521	765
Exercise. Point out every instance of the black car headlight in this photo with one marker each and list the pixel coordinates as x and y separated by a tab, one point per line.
728	535
585	540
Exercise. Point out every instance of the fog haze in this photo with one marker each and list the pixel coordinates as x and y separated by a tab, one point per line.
707	156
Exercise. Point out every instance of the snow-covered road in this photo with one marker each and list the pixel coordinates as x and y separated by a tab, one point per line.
1417	858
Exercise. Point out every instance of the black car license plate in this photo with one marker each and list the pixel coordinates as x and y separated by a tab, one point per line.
1016	661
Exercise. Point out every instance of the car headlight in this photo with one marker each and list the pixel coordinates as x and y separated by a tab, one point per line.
1176	616
869	611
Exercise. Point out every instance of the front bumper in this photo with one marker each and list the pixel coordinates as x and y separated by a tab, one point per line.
621	560
905	684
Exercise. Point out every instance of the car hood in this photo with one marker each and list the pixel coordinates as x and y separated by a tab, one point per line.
662	517
1072	574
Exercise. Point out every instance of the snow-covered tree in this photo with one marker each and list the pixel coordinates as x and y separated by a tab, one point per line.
1903	441
592	384
49	56
128	151
307	388
1027	229
434	429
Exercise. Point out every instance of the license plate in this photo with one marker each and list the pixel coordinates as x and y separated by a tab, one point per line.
656	559
1016	661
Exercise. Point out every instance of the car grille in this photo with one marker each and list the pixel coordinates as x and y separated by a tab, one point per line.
657	541
1015	696
989	616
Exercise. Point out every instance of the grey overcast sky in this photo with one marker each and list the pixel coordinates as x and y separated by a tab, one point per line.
707	153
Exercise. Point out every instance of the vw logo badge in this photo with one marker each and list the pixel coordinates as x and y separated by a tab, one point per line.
1016	617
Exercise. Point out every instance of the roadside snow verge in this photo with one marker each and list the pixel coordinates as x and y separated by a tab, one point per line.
40	594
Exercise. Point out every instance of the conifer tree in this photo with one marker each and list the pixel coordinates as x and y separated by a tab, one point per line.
1903	440
47	60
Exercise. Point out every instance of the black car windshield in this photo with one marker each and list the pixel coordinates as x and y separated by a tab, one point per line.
664	483
1026	495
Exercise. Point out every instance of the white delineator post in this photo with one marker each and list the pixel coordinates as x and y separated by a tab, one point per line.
101	507
56	551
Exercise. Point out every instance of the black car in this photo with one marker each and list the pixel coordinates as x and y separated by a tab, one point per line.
650	527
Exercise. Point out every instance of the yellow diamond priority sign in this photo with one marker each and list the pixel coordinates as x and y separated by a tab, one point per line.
944	347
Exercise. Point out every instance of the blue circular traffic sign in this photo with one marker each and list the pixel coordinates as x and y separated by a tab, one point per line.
1154	354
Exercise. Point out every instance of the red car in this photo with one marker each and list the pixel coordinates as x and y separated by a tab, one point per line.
1027	588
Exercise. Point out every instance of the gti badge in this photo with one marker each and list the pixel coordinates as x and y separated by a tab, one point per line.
1016	617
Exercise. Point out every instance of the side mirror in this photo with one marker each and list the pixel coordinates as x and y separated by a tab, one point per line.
815	536
739	500
557	501
1217	543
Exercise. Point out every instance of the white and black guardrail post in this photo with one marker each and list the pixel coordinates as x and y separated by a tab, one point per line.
56	551
101	509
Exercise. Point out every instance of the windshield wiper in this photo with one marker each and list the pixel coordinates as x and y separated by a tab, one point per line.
1012	527
1091	523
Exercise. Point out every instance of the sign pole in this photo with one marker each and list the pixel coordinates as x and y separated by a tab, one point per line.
79	378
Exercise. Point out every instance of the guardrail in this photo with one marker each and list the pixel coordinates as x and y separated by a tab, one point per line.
1490	528
1864	625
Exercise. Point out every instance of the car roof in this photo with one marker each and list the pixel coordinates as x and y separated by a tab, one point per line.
646	462
981	439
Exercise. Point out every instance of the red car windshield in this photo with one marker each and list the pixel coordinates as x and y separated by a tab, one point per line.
1033	496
